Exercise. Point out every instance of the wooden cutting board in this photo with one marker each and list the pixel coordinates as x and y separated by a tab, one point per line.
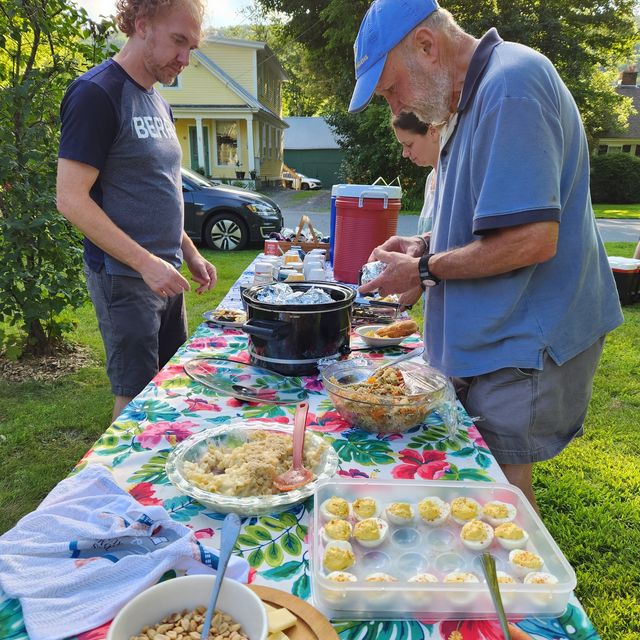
311	625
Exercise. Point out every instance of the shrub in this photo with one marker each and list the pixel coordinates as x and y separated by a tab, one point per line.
615	178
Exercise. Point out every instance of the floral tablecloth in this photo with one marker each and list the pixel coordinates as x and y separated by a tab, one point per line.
172	407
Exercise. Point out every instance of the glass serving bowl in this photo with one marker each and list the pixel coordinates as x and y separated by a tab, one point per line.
377	413
232	435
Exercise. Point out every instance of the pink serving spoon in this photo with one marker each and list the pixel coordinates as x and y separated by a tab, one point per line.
297	476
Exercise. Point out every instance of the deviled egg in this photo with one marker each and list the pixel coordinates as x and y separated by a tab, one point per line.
342	576
460	577
380	597
433	511
336	530
400	513
505	578
420	597
335	507
523	562
464	509
371	532
510	536
540	577
338	594
365	508
338	556
497	512
476	535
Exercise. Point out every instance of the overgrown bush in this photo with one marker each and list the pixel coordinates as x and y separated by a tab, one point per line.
615	179
43	47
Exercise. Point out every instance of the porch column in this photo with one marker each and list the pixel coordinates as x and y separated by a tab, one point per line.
250	151
200	143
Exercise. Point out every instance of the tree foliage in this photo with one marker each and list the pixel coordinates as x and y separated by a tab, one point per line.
44	45
582	38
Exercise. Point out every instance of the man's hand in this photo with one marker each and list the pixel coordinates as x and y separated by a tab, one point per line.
401	274
409	298
202	271
162	278
413	246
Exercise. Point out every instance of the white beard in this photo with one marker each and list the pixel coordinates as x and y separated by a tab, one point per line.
433	95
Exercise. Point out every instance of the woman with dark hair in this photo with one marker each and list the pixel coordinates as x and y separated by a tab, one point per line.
420	144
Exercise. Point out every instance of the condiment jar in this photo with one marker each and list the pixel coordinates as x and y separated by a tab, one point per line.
263	273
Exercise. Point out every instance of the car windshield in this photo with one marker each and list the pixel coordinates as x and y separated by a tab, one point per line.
199	179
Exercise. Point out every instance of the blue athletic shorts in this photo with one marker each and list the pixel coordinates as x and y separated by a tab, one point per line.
140	330
531	415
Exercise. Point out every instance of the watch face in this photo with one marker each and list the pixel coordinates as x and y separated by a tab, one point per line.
429	282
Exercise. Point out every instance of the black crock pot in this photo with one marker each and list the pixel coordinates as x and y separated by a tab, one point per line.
291	338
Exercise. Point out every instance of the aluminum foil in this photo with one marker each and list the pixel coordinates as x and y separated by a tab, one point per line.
282	293
371	270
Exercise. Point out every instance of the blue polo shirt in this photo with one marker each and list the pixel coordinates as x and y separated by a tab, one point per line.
518	154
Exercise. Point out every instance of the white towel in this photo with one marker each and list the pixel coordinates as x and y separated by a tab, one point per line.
89	548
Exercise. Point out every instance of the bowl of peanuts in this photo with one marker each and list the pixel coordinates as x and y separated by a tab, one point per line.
175	610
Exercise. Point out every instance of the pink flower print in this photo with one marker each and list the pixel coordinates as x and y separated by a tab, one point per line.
194	404
169	372
476	437
144	493
429	465
201	534
353	473
330	421
470	630
200	344
80	562
154	432
313	384
99	633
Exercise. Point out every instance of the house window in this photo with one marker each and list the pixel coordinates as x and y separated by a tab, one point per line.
173	85
638	150
264	140
602	149
227	142
626	148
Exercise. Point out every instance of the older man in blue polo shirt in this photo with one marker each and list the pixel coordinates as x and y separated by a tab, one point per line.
519	291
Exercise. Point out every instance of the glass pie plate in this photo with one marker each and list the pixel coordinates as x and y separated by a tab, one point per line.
232	435
245	381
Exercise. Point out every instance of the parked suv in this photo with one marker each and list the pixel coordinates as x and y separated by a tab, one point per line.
226	217
305	181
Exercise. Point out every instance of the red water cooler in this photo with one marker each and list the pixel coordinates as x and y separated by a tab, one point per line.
366	216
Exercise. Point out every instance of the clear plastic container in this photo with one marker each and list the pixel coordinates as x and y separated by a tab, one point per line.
416	548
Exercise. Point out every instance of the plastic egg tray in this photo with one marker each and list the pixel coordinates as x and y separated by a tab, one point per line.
414	548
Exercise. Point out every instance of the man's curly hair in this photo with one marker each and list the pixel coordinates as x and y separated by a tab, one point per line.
128	10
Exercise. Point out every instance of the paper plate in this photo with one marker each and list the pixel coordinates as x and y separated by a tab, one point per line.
210	316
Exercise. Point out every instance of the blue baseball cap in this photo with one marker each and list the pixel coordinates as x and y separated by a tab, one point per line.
386	23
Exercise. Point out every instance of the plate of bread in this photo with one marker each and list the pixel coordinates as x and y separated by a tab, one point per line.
387	335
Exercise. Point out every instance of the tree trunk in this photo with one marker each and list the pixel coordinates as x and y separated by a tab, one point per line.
38	343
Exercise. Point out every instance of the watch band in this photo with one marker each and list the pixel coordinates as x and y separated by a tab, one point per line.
425	239
427	279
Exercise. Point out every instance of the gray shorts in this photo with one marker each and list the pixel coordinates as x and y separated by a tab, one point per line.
140	330
530	415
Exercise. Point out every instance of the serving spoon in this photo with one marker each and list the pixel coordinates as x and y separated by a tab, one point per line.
228	537
297	476
489	569
354	377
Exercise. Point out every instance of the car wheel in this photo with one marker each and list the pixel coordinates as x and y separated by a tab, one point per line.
304	186
226	232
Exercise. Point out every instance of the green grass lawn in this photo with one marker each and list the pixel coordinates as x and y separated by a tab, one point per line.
629	211
618	211
589	495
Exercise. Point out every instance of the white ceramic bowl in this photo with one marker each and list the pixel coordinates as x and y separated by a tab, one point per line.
189	592
373	341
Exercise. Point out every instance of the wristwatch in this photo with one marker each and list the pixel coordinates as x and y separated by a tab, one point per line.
427	279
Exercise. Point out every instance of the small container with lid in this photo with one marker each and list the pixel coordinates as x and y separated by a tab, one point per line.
263	273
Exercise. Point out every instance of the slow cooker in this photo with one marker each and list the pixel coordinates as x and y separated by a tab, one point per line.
291	338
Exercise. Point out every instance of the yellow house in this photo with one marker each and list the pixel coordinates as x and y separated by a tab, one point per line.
227	109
